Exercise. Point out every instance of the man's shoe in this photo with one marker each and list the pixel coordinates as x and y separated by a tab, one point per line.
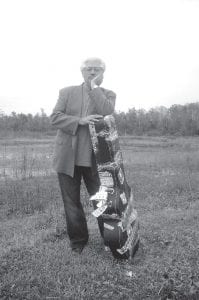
78	250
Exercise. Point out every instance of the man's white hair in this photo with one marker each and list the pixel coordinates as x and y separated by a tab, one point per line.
100	64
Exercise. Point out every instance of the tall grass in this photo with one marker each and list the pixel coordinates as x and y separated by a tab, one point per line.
25	159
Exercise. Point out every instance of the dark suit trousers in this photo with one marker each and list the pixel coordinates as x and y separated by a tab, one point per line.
75	217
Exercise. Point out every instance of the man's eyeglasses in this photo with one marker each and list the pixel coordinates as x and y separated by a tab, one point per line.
95	69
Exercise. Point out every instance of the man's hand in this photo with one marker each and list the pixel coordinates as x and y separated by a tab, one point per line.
92	119
97	80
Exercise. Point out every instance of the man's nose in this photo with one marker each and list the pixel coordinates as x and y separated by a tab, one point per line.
93	71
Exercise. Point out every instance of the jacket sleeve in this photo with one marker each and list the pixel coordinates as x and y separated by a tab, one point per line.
104	101
59	118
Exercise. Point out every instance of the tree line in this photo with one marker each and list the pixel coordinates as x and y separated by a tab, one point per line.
25	122
176	120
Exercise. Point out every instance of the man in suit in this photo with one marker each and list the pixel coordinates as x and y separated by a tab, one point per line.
76	108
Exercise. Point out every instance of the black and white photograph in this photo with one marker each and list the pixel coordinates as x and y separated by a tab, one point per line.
99	150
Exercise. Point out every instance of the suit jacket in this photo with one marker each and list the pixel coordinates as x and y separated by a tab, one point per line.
66	116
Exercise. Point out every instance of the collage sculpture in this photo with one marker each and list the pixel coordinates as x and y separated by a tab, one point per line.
114	199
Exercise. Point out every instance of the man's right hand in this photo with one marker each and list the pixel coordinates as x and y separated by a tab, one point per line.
96	81
92	119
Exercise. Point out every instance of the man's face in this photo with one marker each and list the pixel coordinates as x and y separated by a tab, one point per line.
93	69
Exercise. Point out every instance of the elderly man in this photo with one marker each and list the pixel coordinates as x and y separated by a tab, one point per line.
76	108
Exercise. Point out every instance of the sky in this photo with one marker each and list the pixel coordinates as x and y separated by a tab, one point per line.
150	47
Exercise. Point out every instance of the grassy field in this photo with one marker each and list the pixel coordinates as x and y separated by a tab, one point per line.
35	259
